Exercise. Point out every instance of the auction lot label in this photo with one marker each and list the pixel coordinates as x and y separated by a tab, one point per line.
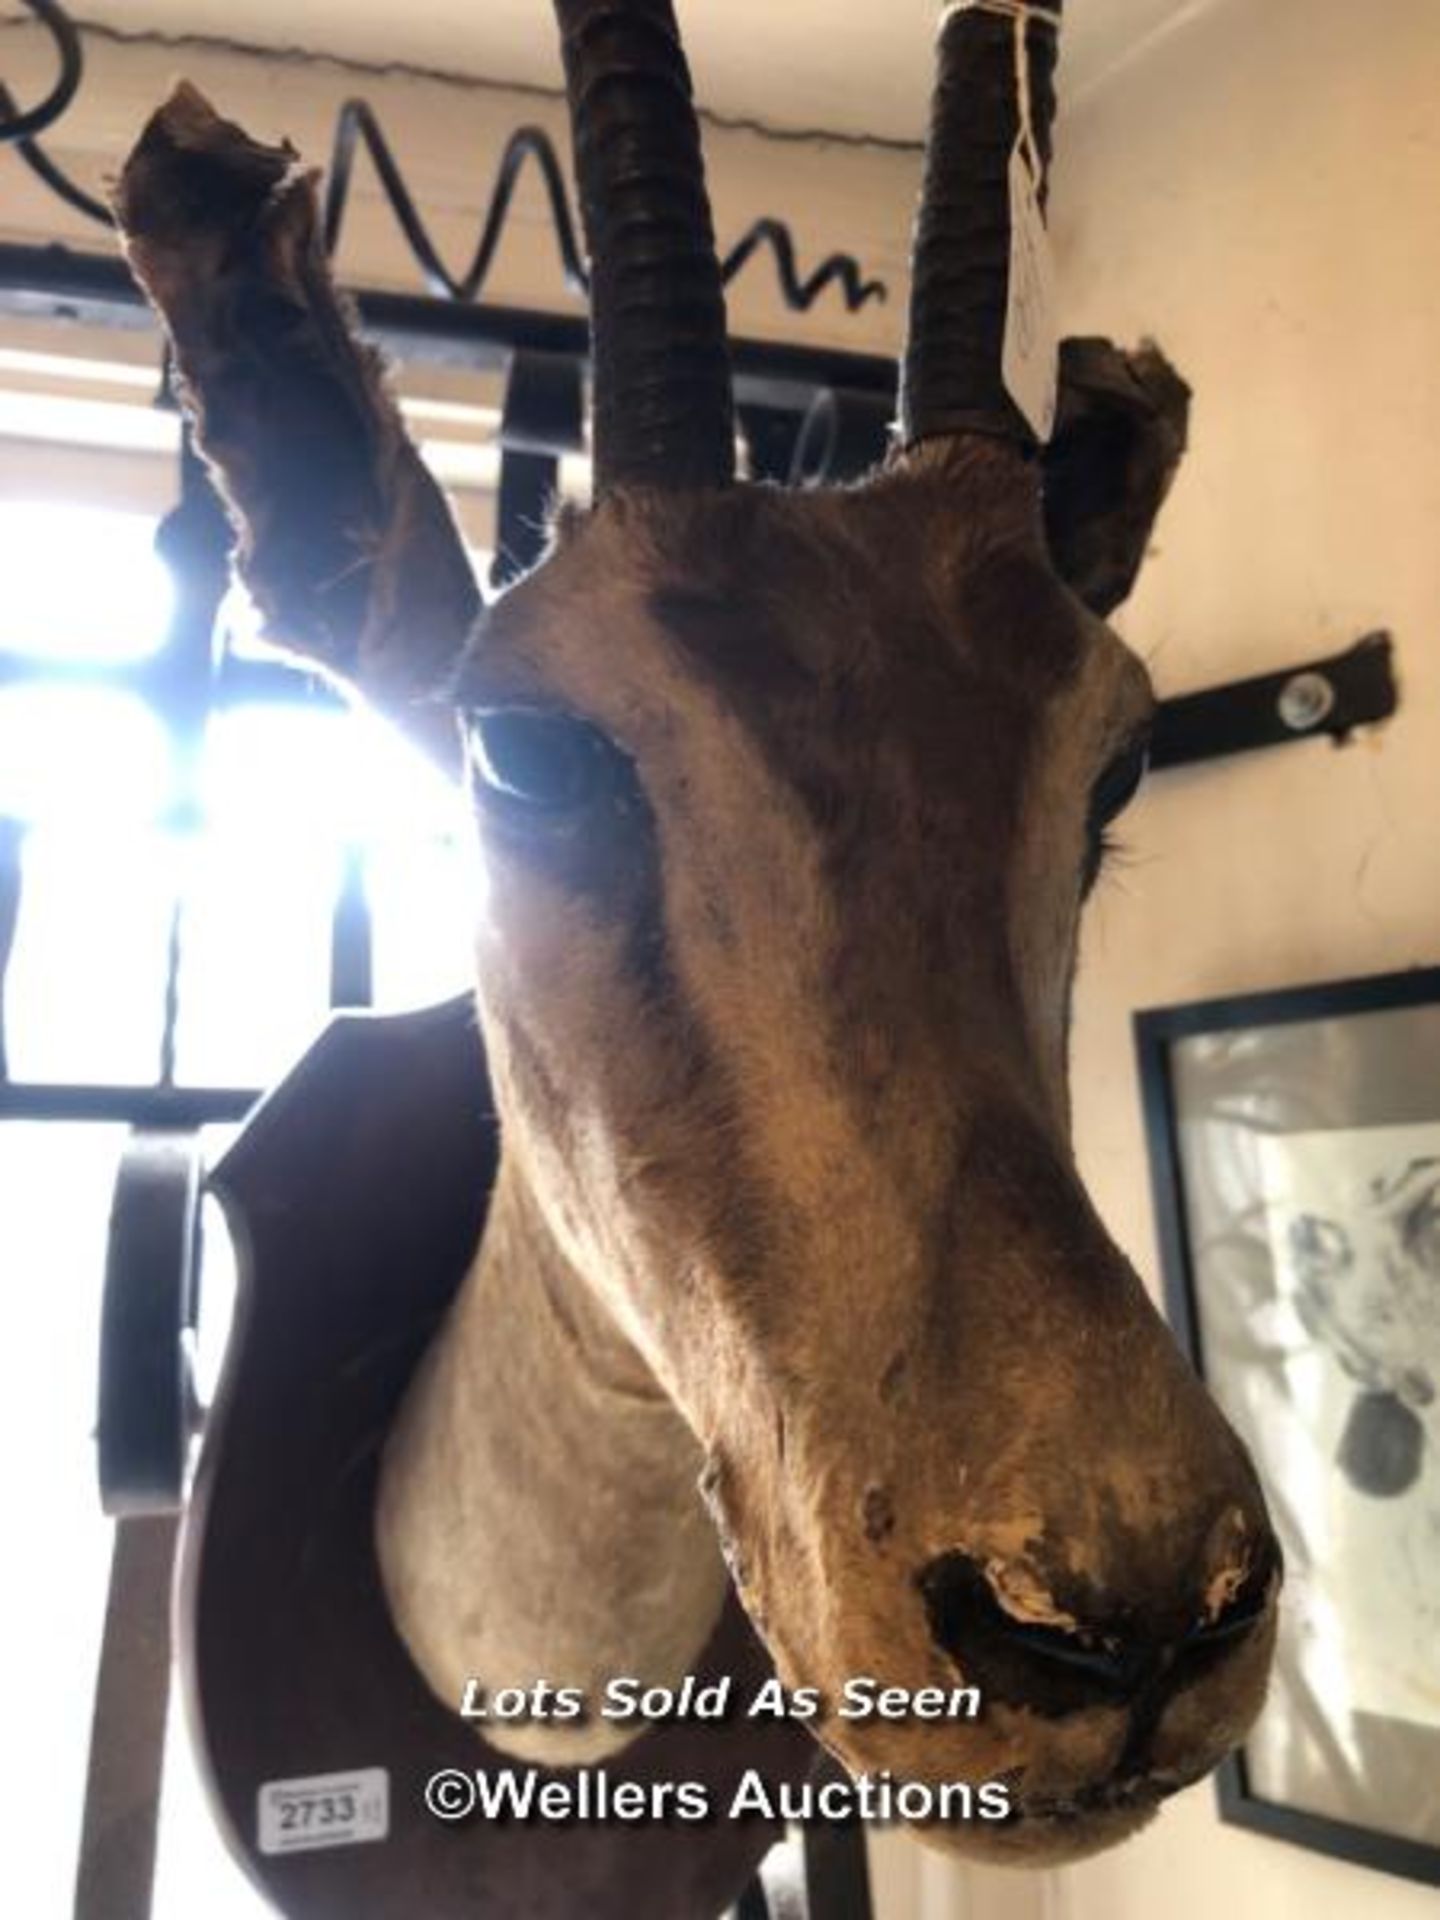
324	1810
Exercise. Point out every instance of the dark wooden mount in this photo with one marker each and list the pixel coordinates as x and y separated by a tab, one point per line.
356	1194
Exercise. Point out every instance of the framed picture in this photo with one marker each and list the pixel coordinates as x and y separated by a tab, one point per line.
1295	1152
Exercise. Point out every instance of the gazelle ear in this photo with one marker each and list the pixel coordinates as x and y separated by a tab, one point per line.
345	542
1119	433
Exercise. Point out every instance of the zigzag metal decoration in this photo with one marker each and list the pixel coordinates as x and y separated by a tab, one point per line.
358	125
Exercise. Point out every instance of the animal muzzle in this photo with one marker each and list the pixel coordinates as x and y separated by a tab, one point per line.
1118	1660
1002	1478
1089	1715
1055	1668
1097	1575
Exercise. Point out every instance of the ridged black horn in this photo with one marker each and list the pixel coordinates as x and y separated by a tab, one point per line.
951	381
663	408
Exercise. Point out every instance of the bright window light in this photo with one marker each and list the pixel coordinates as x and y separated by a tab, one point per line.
84	992
426	902
81	583
163	925
335	776
255	955
81	754
56	1183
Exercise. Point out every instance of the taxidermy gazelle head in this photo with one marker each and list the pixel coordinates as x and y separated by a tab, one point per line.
789	804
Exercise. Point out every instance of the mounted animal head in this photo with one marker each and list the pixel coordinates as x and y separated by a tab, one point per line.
790	802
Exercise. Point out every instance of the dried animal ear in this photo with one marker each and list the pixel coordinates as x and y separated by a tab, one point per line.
345	541
1119	434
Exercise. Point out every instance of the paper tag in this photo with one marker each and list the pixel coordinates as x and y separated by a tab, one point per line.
1030	364
324	1810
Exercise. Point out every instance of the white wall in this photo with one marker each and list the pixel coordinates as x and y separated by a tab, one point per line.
1261	193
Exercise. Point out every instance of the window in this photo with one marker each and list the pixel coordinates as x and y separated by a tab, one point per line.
180	882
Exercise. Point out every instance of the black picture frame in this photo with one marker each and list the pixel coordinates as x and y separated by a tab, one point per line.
1161	1036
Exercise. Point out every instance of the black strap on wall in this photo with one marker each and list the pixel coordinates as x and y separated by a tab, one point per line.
116	1874
1329	696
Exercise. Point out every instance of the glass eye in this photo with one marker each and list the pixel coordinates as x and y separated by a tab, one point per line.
548	763
1118	785
1109	797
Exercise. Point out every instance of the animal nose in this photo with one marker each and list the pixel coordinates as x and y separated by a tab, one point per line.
1058	1668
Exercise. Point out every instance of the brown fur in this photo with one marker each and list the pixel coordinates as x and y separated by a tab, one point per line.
814	1152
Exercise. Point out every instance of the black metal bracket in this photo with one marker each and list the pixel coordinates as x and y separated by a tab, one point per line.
56	282
148	1410
1330	697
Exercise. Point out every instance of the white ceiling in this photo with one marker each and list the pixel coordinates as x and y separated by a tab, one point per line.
846	66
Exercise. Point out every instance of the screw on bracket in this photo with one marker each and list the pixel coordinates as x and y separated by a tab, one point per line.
1305	700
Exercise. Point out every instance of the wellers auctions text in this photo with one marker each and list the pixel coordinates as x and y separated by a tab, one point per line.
529	1794
626	1698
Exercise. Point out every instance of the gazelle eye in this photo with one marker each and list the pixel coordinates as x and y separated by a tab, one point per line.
548	763
1118	785
1109	797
